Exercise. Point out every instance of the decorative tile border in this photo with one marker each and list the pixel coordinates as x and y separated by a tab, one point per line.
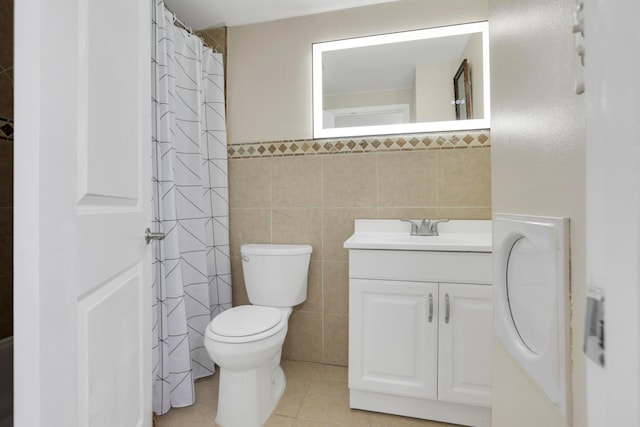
6	129
410	142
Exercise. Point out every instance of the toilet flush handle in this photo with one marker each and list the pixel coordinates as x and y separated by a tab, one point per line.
245	258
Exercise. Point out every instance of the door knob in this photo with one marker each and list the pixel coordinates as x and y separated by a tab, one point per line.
149	236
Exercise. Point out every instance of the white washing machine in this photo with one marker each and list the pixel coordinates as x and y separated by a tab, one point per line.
531	288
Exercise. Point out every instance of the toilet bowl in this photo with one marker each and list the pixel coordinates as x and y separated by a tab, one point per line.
252	381
246	341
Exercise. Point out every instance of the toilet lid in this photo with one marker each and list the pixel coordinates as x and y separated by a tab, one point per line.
245	320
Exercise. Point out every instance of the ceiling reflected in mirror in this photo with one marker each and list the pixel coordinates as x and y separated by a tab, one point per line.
405	82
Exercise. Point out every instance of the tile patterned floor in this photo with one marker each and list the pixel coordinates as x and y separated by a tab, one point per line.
316	396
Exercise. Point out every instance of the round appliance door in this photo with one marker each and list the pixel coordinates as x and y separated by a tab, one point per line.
530	289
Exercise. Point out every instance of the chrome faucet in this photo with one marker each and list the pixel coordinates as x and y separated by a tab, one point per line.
427	227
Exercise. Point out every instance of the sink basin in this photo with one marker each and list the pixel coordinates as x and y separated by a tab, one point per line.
455	236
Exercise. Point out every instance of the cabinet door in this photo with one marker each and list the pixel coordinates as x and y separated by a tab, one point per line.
393	337
464	347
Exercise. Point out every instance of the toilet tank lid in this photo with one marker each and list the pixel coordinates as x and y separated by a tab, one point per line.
274	249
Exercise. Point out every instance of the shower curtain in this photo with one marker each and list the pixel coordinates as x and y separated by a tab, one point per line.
191	266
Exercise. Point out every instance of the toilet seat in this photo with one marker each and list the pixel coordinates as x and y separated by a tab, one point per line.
246	323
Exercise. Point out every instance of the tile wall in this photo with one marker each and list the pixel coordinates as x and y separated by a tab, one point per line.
311	191
6	168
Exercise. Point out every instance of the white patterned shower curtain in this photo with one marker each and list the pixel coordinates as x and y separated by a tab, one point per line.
191	266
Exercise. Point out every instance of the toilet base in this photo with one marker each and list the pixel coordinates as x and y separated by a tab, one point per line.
247	398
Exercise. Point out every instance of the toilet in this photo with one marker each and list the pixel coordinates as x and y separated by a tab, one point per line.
246	341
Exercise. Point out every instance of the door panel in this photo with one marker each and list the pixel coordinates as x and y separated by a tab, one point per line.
465	342
392	343
110	63
112	353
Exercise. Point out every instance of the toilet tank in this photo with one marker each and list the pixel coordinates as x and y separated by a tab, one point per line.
276	275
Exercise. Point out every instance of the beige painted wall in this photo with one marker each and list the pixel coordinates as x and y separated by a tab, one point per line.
269	64
538	168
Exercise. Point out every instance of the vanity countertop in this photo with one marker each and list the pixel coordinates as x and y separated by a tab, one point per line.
393	234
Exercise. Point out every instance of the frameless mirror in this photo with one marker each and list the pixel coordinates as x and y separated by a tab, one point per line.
429	80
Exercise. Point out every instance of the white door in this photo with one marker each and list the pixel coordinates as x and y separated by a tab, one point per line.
393	333
82	269
613	206
464	344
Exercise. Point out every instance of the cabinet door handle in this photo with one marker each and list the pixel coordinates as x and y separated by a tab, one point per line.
430	308
447	309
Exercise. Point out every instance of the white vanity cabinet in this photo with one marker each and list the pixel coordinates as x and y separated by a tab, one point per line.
420	333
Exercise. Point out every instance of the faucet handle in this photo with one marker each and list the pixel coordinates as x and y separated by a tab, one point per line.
434	225
414	226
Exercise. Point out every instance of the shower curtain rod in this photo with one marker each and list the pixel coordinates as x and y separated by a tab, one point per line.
188	29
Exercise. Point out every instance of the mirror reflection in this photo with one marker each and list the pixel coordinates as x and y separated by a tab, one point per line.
462	98
415	81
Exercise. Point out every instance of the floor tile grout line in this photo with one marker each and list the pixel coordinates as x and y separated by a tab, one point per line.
306	392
